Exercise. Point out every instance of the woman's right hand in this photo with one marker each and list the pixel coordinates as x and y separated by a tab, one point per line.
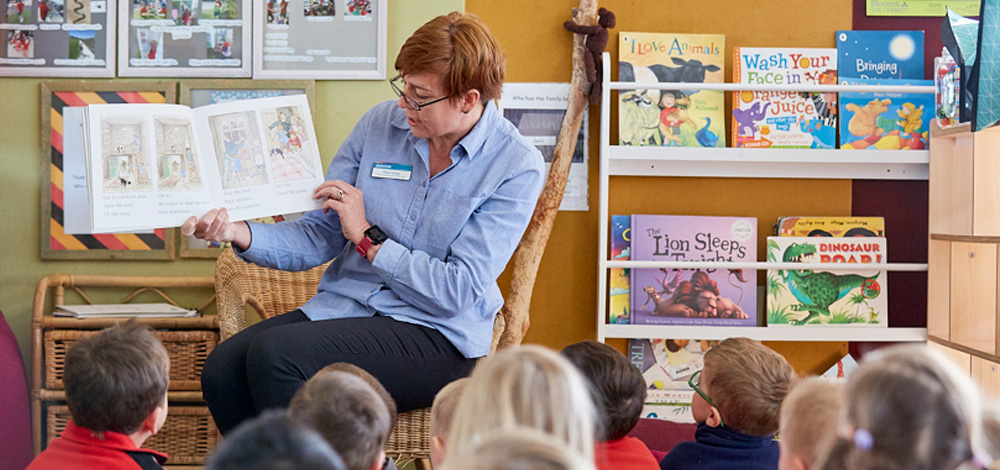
215	226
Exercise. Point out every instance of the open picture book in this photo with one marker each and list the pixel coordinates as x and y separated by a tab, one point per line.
155	165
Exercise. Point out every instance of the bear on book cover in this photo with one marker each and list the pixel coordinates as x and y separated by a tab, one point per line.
671	117
885	121
699	296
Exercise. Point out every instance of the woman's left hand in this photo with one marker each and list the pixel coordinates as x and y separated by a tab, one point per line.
349	204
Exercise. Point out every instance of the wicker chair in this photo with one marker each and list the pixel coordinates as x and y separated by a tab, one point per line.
271	292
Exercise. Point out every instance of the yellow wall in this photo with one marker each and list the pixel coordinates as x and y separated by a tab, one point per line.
563	308
339	105
538	50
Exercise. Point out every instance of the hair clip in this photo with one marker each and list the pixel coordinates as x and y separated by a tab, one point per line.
863	439
981	459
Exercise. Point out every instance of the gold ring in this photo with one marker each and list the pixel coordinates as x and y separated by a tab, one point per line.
340	194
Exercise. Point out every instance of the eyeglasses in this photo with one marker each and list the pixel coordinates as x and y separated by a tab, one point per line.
397	83
694	382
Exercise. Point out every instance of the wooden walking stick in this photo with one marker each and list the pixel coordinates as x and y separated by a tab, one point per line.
529	251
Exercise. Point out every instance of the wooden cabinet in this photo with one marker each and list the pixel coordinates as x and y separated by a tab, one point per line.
189	433
963	298
986	374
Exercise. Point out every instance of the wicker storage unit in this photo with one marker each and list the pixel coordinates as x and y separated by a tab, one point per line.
187	351
189	434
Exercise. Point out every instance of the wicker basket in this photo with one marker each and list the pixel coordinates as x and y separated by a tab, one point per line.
411	436
188	436
187	351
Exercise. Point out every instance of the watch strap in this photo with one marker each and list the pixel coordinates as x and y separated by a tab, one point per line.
363	246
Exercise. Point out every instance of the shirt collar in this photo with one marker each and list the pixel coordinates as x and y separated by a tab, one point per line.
111	440
474	141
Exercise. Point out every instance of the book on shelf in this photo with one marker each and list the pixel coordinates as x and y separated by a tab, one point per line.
852	297
707	297
618	278
142	310
880	54
666	365
885	121
671	117
784	119
842	368
835	226
155	165
669	405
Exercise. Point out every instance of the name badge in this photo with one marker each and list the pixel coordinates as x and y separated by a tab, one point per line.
393	171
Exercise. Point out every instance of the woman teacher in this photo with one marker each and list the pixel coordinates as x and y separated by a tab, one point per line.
423	206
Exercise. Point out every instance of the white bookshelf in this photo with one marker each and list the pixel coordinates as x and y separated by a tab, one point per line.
616	160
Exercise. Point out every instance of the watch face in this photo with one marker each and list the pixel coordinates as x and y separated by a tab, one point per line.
376	235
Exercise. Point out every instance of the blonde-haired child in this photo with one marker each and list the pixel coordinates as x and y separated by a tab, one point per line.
809	422
908	407
518	449
527	386
736	404
442	414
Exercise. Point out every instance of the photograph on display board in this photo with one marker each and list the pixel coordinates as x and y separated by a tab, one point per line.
21	44
319	8
185	38
19	11
220	43
57	38
320	39
52	11
82	45
358	8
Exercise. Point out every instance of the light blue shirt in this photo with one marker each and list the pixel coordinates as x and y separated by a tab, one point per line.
450	236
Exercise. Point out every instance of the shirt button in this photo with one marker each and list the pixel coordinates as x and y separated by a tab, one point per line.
413	216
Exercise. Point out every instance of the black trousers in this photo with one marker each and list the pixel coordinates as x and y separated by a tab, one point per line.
264	365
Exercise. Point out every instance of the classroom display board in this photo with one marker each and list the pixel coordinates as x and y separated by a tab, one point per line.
57	38
184	38
320	39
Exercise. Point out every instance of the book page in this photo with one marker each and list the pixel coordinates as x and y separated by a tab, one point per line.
145	170
263	153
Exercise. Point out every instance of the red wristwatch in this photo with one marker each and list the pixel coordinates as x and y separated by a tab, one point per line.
373	236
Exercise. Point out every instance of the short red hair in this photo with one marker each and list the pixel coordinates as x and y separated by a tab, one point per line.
461	50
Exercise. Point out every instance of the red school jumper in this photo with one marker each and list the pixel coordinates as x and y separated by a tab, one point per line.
627	453
78	448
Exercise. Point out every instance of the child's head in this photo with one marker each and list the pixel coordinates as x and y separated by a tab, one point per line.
518	449
809	417
527	386
667	98
746	382
348	413
442	414
274	441
908	407
117	380
618	387
369	379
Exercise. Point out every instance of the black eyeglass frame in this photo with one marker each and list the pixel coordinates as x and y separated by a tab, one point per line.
410	101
